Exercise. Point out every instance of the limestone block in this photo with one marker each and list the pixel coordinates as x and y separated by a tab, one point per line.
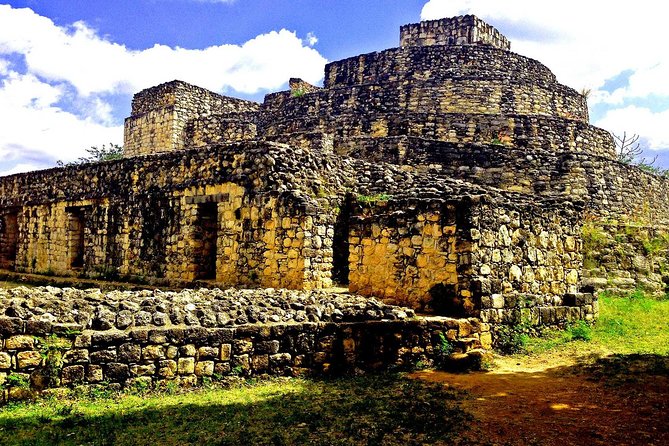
27	359
204	368
72	374
186	366
167	368
20	342
153	352
5	361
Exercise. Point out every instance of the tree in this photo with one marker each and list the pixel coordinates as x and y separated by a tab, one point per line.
629	151
97	154
628	148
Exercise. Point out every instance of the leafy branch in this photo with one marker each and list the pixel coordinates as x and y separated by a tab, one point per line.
96	155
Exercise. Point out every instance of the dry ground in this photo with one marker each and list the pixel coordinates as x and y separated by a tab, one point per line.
565	398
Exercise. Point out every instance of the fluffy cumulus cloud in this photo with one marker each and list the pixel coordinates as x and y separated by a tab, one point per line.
57	84
588	44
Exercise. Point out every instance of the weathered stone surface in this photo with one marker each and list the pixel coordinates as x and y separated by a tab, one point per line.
72	375
28	359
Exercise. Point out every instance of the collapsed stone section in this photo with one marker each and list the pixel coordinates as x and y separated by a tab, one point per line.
464	30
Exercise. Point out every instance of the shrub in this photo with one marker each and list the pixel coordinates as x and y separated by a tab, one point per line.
511	339
580	331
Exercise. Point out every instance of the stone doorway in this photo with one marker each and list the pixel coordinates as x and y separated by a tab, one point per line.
340	245
206	240
9	238
75	238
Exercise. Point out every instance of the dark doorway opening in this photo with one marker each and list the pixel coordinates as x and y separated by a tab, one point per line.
206	238
340	246
75	238
9	238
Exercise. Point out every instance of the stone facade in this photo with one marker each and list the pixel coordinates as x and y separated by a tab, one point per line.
448	175
160	115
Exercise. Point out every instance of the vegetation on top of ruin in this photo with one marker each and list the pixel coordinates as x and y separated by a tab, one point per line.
629	151
97	154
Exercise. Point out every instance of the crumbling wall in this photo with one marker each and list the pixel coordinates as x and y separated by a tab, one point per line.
213	215
160	114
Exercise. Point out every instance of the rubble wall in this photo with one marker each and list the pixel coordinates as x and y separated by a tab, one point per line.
147	218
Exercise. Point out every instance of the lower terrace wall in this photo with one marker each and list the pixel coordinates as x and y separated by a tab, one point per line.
154	338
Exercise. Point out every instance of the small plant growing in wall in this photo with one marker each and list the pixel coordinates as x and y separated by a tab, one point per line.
17	381
51	349
298	92
443	350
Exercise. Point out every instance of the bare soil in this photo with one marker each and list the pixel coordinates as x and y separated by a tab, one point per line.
566	399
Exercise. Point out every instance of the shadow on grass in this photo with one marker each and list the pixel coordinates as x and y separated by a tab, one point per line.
380	410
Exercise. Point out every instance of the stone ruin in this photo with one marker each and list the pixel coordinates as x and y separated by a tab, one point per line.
449	175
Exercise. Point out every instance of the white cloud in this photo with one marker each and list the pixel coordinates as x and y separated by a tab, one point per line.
311	39
35	128
57	105
640	120
585	44
93	64
21	168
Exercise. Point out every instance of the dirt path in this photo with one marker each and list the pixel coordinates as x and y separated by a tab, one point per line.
563	401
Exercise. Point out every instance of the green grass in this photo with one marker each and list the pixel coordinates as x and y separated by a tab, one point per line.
633	324
380	410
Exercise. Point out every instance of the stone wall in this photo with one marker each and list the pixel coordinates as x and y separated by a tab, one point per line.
217	215
160	114
463	30
154	338
436	64
473	256
623	257
218	129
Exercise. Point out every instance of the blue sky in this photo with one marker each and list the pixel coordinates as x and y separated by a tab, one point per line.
68	69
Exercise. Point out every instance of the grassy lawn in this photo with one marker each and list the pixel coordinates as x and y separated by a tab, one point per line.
379	410
4	284
632	324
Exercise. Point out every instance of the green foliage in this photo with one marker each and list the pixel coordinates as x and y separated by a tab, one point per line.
511	339
374	198
298	92
376	410
97	154
17	380
580	331
443	350
632	323
51	349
